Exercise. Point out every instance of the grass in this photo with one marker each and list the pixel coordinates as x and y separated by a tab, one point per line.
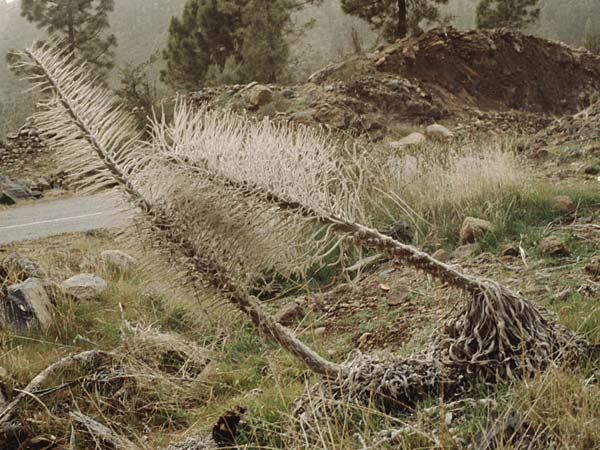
434	186
178	369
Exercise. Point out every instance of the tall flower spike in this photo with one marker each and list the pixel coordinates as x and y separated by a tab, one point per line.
95	141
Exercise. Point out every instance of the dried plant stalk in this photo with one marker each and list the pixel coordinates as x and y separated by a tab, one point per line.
96	142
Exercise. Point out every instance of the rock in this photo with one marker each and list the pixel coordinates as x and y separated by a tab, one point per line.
591	170
12	191
320	331
553	246
510	250
364	339
441	255
465	251
563	203
19	267
564	294
411	139
258	95
305	117
118	260
290	314
289	93
332	115
593	269
439	132
397	298
85	286
474	229
26	306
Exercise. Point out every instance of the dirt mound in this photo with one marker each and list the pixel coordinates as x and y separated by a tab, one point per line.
477	79
495	70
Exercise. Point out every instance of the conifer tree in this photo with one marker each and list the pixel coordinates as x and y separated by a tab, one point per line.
82	24
515	14
395	17
229	41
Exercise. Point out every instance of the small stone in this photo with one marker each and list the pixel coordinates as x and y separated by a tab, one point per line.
364	339
411	139
290	314
465	251
441	255
19	267
320	331
85	286
591	170
439	132
564	294
563	203
474	229
288	93
510	250
26	306
397	299
593	269
384	287
553	246
118	260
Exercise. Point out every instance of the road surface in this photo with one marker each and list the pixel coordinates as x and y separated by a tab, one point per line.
69	215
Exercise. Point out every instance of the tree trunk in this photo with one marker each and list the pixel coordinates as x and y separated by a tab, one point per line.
402	22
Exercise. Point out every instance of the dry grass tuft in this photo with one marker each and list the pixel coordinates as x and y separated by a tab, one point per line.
437	186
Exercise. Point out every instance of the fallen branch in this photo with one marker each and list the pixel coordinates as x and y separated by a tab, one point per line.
91	358
103	433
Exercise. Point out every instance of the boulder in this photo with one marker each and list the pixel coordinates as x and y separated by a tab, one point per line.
474	229
19	267
258	95
553	246
118	260
26	306
84	286
563	203
439	132
290	314
411	139
12	191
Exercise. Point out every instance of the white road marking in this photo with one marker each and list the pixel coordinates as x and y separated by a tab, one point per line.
62	219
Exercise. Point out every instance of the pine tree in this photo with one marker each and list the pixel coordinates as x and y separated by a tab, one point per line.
515	14
264	50
218	41
80	23
395	17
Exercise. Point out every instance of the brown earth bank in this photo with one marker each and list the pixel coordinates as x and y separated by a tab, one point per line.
486	77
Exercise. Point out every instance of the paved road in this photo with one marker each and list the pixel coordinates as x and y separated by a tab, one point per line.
60	216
